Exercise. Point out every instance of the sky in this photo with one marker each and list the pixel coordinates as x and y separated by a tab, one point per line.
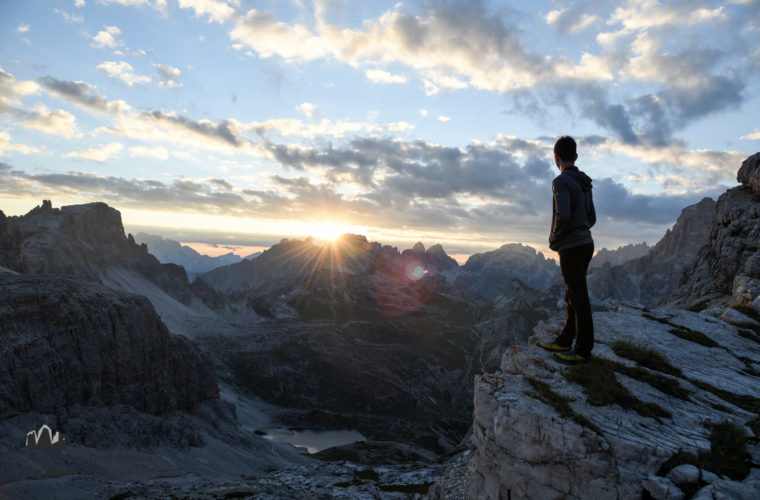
233	123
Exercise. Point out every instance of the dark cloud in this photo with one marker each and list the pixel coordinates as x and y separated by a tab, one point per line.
80	93
225	131
614	201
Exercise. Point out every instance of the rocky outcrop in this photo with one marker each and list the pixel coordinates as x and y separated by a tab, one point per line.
82	241
66	342
727	270
665	388
652	278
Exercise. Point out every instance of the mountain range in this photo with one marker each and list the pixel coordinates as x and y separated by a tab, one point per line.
102	336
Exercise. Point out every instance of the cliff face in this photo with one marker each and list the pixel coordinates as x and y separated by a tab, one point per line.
65	342
81	241
653	277
727	270
605	430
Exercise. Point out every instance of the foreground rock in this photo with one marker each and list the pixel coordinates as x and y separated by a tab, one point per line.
614	428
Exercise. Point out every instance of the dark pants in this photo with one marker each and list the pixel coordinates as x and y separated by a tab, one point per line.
573	264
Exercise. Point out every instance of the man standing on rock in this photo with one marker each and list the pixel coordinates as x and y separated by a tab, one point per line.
572	218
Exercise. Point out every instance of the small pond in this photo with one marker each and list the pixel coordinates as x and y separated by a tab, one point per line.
313	440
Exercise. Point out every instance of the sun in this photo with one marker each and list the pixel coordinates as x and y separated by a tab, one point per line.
329	231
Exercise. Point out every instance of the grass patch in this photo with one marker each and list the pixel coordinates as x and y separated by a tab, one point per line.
743	401
728	455
728	451
693	336
748	334
678	458
559	403
421	489
599	383
239	494
367	475
644	356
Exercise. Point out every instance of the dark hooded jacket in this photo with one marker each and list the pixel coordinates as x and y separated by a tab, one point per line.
573	214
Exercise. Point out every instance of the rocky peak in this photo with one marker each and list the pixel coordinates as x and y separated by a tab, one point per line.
439	258
749	173
486	275
727	269
82	241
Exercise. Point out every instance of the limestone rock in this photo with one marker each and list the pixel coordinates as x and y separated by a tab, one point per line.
649	279
525	448
66	342
662	488
685	473
749	173
727	270
82	241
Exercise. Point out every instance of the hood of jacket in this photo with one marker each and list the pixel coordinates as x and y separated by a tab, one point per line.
582	179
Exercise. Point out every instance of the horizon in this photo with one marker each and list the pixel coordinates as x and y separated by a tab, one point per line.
219	118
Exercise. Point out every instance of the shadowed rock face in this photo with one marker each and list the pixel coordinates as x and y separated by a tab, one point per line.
650	279
727	270
81	241
65	342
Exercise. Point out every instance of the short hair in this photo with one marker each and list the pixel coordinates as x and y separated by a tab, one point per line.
565	148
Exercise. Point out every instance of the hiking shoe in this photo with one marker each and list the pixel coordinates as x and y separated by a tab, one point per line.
553	347
571	357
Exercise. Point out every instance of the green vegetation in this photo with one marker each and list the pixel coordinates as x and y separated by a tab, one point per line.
644	356
728	455
559	403
743	401
693	336
748	334
421	489
728	451
600	384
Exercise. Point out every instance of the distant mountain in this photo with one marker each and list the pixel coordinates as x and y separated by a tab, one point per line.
170	251
487	275
619	255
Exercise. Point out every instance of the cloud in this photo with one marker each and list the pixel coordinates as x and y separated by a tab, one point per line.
307	108
79	3
754	136
169	76
214	10
380	76
12	90
156	152
640	14
7	146
99	155
444	119
106	38
56	122
69	18
82	94
570	20
123	71
22	28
